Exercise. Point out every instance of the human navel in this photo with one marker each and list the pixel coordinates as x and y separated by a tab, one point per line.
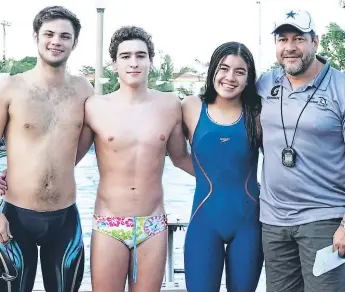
110	138
26	126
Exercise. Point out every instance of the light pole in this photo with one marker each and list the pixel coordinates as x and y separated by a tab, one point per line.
100	6
4	23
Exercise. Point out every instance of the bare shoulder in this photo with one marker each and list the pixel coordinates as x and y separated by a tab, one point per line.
5	83
93	102
191	101
10	84
96	102
167	96
83	86
167	99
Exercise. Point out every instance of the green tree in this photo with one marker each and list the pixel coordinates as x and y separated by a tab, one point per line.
22	65
112	84
113	81
5	66
333	46
162	78
15	67
86	70
183	92
274	66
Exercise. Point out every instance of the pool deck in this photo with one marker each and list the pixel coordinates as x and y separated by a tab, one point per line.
170	284
87	288
180	288
177	286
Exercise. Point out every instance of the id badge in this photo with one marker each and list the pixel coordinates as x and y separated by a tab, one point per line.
289	157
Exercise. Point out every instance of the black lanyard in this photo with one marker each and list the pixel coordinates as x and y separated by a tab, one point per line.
281	110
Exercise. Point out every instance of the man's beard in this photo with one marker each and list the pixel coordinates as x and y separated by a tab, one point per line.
55	64
302	67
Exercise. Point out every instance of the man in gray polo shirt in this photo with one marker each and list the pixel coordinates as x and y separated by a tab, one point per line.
303	179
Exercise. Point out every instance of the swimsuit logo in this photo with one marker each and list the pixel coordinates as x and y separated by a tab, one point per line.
223	140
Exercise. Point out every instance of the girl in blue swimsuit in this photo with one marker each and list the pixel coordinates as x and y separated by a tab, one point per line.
223	128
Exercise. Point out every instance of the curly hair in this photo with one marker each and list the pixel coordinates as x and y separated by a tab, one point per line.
56	12
127	33
251	101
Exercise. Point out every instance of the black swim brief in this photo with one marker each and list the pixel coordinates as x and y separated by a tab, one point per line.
59	235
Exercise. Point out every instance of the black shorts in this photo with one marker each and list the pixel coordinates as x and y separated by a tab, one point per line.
59	235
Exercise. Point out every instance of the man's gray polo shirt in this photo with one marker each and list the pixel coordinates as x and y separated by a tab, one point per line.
315	188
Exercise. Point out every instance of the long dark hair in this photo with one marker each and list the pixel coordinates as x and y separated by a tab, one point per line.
251	101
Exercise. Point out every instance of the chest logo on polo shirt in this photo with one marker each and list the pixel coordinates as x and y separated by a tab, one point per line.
322	101
274	92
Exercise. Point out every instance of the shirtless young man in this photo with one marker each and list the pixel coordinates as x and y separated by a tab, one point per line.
133	128
41	115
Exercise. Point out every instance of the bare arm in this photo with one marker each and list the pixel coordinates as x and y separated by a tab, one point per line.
177	145
86	136
5	233
85	142
4	104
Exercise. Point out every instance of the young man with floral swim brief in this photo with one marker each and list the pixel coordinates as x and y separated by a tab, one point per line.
130	231
133	128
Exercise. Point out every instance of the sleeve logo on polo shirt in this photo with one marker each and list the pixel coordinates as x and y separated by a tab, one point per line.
274	92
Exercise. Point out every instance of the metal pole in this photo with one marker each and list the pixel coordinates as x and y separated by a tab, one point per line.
99	52
4	24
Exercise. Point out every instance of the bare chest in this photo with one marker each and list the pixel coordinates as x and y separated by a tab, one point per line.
45	110
145	129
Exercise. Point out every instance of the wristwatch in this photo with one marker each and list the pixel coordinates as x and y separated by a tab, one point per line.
342	223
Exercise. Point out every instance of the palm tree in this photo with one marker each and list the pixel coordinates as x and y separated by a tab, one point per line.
113	81
162	78
112	84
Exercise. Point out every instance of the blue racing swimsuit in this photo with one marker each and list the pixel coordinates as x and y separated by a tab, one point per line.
225	210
